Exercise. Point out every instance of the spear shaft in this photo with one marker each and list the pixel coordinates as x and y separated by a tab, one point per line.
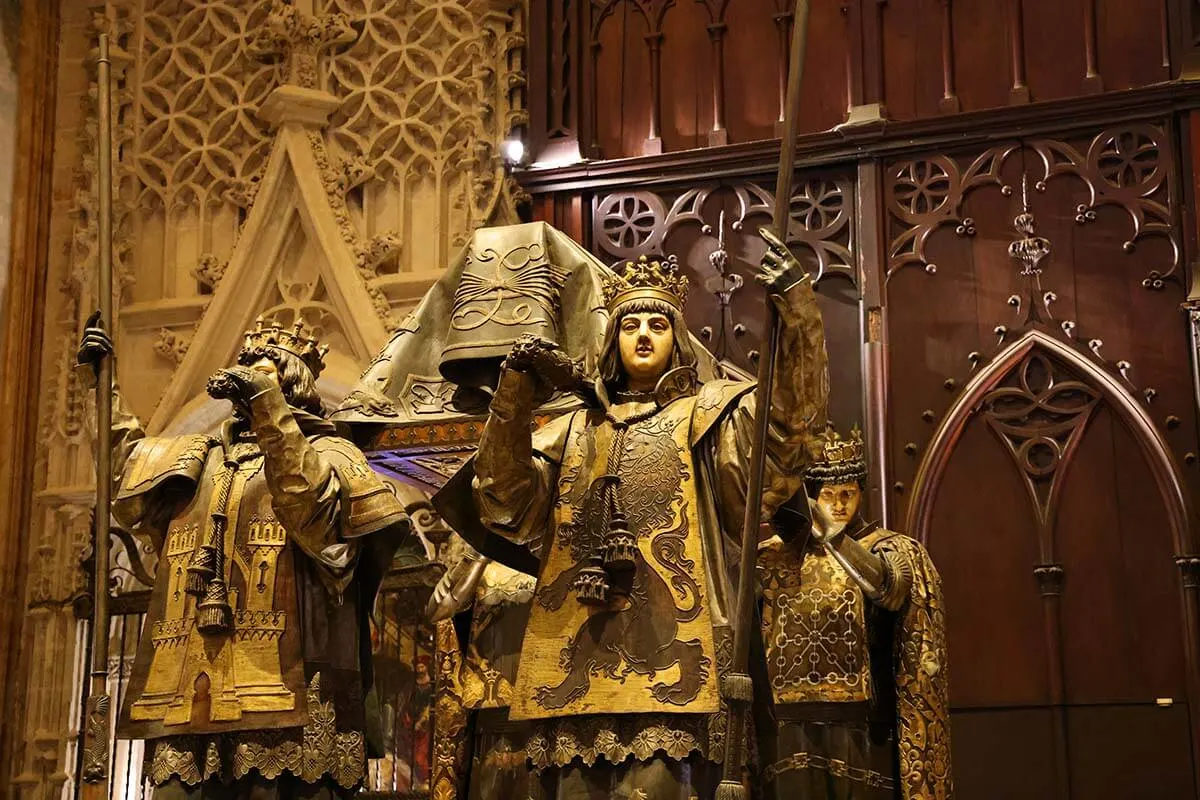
739	688
96	726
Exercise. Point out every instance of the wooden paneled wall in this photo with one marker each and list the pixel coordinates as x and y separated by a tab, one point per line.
622	78
20	344
1066	396
1008	290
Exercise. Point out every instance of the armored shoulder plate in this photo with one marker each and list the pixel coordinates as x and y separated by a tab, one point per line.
371	504
155	459
713	401
877	537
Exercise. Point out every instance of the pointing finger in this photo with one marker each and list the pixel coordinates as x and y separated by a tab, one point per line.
773	241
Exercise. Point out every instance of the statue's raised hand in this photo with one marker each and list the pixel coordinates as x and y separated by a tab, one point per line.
825	531
95	343
239	384
456	589
544	359
780	270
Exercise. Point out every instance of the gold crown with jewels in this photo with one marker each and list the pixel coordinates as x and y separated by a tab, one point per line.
646	279
840	458
292	340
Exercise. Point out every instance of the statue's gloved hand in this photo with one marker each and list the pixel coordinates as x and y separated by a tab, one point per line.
456	588
824	530
94	345
545	360
780	269
239	384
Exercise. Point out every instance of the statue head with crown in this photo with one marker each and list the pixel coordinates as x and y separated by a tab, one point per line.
835	481
646	335
288	356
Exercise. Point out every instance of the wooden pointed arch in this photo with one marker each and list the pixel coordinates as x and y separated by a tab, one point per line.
291	192
1154	448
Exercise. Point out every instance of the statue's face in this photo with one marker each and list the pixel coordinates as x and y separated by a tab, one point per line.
267	367
837	504
646	343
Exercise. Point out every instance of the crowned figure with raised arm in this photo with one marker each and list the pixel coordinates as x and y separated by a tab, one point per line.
253	669
633	507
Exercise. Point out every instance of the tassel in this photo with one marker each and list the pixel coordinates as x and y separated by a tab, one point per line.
202	570
591	584
621	549
213	614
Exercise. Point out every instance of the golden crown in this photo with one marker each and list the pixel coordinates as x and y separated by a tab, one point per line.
841	459
292	340
646	279
836	450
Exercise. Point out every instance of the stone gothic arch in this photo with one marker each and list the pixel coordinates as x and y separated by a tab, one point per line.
293	260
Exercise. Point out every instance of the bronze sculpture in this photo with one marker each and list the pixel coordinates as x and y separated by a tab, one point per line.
272	537
497	599
853	627
625	503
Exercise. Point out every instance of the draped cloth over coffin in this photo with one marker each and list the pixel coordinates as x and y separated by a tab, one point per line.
507	281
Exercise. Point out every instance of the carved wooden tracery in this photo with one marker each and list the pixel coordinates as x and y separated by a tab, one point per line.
1038	395
1040	412
1126	166
713	230
1043	381
630	224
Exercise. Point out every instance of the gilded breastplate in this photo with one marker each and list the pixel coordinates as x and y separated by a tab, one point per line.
619	622
199	678
815	629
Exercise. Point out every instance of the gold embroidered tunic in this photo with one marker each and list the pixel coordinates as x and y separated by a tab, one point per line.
282	688
836	662
638	674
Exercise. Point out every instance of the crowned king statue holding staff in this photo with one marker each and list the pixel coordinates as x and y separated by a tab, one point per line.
631	506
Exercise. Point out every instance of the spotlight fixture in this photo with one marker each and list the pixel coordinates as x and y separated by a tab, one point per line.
514	151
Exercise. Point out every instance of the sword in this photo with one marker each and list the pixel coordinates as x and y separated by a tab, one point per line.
738	687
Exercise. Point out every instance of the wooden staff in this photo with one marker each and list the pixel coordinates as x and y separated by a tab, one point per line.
739	688
96	727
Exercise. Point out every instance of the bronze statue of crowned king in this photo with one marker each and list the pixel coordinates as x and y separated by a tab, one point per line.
253	667
853	626
631	506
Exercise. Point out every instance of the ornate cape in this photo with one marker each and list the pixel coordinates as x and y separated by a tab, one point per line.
594	731
814	601
922	678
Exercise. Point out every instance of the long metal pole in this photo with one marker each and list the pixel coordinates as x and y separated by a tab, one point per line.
96	728
739	688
